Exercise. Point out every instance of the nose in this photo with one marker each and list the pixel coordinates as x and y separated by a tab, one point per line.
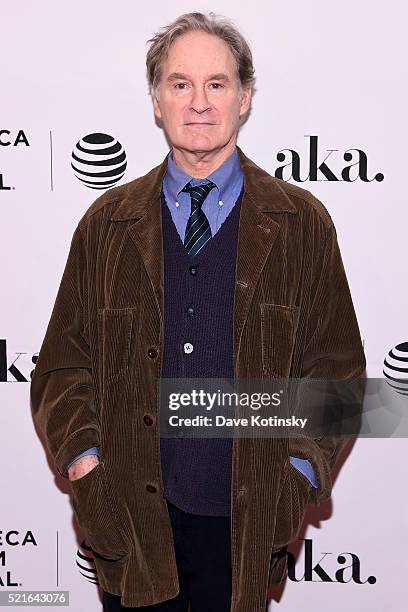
199	100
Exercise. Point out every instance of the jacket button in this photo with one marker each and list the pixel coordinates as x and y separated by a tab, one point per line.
148	419
190	311
193	270
151	488
152	352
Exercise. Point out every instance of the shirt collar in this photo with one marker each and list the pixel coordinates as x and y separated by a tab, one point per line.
224	176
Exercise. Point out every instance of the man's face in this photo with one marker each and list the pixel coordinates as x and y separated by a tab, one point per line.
200	100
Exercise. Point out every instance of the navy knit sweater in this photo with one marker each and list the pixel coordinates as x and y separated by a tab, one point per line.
198	301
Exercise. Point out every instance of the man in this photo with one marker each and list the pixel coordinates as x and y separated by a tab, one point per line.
205	267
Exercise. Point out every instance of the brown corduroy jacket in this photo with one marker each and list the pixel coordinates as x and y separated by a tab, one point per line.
95	380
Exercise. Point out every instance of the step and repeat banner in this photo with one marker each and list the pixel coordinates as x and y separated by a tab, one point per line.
328	114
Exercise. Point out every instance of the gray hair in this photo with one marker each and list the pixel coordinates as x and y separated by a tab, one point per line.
221	27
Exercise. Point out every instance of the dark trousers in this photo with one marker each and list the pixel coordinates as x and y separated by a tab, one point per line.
203	556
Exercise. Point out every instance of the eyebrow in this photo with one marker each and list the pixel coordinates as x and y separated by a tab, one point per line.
219	76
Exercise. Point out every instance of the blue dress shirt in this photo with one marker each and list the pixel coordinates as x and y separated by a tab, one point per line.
229	180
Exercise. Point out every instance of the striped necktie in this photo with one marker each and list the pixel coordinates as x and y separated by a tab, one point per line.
198	231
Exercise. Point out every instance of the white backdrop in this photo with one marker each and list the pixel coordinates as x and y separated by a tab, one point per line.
333	71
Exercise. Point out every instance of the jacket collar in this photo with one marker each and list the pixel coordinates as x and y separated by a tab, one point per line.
259	186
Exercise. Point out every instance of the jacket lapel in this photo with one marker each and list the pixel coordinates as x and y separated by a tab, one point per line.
256	236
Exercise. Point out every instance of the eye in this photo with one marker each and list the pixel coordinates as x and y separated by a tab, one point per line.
218	85
176	85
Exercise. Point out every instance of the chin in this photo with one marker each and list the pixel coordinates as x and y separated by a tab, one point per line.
198	141
197	144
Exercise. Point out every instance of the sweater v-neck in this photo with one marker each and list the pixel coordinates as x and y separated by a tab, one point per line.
212	243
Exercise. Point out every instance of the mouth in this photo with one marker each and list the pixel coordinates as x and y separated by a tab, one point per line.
199	123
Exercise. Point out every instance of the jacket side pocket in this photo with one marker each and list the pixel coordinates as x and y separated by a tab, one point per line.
95	516
292	505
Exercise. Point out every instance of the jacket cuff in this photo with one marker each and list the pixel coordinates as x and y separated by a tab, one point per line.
308	448
76	444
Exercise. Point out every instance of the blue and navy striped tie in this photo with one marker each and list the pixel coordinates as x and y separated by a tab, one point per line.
198	231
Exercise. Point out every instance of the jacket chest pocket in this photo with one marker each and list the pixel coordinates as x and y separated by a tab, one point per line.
114	337
278	333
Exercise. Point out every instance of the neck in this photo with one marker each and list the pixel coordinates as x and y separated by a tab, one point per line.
200	164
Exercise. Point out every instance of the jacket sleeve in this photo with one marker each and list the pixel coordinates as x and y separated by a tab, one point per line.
333	350
62	388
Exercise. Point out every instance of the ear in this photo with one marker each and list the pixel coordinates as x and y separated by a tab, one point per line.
245	100
156	107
